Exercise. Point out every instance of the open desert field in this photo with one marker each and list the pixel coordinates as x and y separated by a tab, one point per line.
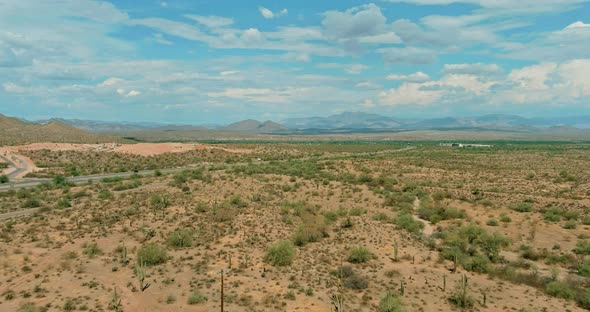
361	226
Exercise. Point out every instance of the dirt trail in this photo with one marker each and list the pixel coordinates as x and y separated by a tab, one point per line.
429	228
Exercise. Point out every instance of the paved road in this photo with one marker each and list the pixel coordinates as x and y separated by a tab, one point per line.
17	184
18	169
84	179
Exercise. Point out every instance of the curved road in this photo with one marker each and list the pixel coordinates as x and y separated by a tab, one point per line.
29	183
18	169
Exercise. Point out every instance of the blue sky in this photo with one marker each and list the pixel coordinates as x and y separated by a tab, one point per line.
191	61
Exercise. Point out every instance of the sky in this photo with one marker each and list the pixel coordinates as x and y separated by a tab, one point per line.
219	61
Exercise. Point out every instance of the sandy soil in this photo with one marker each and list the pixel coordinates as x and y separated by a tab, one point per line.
142	149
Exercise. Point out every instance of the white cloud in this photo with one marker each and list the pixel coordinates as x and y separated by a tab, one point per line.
211	21
133	93
577	24
111	81
523	7
368	103
368	85
410	55
472	69
415	77
362	21
268	14
548	84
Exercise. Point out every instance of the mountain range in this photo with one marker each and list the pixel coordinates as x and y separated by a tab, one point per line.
350	122
17	131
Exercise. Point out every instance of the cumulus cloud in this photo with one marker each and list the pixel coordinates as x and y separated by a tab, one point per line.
577	24
357	22
479	69
268	14
542	84
415	77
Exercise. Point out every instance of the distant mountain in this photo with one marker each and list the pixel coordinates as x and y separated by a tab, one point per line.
95	126
371	122
15	131
347	120
251	125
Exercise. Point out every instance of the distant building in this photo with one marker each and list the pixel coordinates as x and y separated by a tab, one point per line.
464	145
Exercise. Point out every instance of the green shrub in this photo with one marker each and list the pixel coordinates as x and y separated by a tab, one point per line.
30	307
91	250
4	179
312	229
356	281
553	214
524	207
180	238
280	254
31	203
505	218
391	303
584	268
492	222
196	297
582	247
359	254
408	223
160	202
560	290
584	299
151	254
570	225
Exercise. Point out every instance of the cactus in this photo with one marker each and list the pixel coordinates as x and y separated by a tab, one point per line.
444	288
395	250
140	274
116	302
124	259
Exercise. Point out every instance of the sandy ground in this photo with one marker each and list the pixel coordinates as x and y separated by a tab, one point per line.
142	149
150	149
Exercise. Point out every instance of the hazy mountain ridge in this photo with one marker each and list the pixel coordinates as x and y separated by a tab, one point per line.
16	131
349	122
251	125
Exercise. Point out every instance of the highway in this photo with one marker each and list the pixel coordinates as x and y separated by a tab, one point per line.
17	169
17	184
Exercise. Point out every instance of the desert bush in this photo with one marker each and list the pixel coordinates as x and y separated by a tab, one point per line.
553	214
505	218
31	203
391	303
461	297
160	202
408	223
312	229
359	254
560	290
440	213
4	179
151	254
180	238
280	254
583	268
584	299
472	247
356	281
582	247
91	250
30	307
523	207
196	297
492	222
